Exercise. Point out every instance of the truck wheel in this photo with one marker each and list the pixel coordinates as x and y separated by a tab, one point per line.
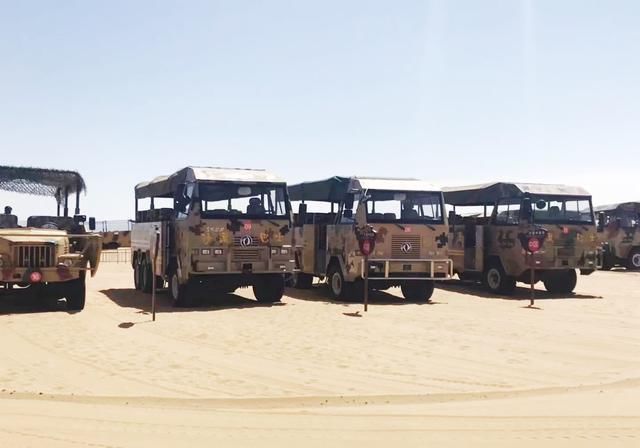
497	281
302	281
269	288
75	293
179	293
634	259
137	275
146	276
561	282
336	282
417	290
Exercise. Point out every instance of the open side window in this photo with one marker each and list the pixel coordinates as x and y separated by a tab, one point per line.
507	212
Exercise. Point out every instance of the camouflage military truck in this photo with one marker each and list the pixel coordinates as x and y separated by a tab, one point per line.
49	257
619	233
220	230
411	238
490	248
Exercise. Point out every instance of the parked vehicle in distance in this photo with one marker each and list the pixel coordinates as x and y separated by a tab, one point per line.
490	248
411	240
219	229
619	233
50	255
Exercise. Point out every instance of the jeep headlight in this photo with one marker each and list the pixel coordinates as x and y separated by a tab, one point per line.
68	262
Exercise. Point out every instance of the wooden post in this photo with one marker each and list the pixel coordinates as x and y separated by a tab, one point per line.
533	277
366	282
153	274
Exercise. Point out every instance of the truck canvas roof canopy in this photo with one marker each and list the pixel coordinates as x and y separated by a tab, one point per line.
40	181
165	186
483	194
334	188
633	207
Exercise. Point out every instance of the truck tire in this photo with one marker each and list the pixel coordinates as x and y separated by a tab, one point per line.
302	280
269	288
633	263
179	293
561	282
497	281
417	290
146	276
137	275
336	282
75	293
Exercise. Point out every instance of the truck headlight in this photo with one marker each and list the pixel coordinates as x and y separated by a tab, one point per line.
205	251
274	251
218	251
68	262
284	251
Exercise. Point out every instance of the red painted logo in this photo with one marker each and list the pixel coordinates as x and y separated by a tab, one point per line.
565	230
247	226
366	247
407	230
533	244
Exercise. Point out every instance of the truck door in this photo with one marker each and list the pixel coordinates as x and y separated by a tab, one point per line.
470	243
321	249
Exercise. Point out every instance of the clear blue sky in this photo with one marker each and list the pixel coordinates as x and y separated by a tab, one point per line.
454	92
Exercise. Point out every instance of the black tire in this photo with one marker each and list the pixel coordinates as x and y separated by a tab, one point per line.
179	294
137	275
561	282
146	276
302	280
633	261
75	293
336	283
269	288
497	281
417	290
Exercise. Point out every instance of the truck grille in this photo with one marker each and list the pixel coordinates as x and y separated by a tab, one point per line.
405	246
246	254
34	256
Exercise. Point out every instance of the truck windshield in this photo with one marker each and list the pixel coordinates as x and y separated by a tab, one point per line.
561	210
404	207
224	200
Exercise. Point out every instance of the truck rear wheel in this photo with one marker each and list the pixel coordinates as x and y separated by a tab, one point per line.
561	282
269	288
302	280
497	280
137	275
417	290
336	282
146	276
634	260
179	293
75	292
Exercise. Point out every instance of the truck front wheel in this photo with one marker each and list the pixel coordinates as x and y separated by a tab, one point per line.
498	281
561	282
269	288
417	290
75	292
634	260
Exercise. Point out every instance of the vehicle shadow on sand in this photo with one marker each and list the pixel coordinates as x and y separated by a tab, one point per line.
131	298
521	292
28	305
319	292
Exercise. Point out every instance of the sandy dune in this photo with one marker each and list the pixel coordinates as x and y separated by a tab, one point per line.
466	369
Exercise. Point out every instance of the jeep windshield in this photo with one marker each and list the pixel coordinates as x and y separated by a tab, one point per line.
561	210
254	201
409	207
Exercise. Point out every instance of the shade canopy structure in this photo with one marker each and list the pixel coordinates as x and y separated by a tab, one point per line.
166	186
40	181
621	207
490	193
334	188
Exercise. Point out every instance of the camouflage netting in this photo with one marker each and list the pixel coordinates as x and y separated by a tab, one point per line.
40	181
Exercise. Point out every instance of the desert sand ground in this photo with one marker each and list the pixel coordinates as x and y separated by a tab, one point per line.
465	370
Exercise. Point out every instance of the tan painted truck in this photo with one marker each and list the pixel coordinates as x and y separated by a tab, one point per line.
222	229
49	256
411	239
489	222
619	234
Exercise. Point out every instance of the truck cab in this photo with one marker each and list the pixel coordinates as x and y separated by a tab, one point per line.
619	234
489	224
213	230
407	216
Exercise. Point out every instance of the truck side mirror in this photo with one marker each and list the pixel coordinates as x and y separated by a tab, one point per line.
302	215
600	219
92	223
452	219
